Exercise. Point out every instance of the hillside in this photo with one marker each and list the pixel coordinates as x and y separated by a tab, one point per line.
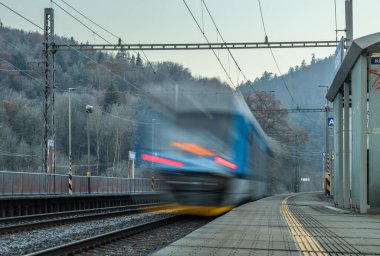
303	82
115	84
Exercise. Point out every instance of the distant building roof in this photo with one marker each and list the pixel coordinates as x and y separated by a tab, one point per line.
365	44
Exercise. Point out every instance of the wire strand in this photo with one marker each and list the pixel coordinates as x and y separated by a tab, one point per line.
68	13
20	15
109	32
221	37
204	35
274	58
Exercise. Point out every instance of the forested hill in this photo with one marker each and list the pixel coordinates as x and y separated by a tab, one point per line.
303	82
113	83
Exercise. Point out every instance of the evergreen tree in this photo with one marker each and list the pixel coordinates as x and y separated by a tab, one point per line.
139	61
313	59
110	97
133	60
303	64
18	61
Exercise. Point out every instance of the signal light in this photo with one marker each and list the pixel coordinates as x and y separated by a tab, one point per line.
160	160
225	163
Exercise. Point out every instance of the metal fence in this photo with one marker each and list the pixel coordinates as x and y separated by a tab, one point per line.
26	183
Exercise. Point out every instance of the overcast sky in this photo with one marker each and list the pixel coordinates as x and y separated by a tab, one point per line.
168	21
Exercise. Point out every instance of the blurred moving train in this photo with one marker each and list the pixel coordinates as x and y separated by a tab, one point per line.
212	154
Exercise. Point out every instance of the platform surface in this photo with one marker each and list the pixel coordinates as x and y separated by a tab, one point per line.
299	224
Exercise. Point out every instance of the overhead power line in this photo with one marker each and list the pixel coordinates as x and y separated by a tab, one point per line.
204	35
75	18
80	53
145	57
22	16
224	41
274	58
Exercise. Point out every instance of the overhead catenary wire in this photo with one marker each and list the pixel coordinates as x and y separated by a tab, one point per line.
109	32
221	37
68	13
276	62
22	71
204	35
84	55
114	35
101	65
20	15
274	58
148	61
145	57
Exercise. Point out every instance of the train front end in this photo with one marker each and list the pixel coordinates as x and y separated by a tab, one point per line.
196	156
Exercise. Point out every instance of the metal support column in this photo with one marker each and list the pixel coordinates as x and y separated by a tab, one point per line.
346	173
49	87
338	149
359	134
349	24
297	181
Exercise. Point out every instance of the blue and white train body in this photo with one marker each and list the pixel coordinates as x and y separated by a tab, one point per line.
212	155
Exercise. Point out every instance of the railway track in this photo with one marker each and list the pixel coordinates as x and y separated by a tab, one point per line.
136	240
32	222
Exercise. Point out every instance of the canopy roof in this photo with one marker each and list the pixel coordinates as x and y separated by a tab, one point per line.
365	44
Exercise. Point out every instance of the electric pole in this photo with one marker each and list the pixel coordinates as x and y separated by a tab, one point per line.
349	24
49	132
297	183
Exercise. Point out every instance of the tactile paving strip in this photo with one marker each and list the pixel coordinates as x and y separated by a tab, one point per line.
329	241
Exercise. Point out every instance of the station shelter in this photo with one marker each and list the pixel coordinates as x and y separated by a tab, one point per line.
355	93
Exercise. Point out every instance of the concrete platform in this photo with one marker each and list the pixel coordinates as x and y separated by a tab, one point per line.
299	224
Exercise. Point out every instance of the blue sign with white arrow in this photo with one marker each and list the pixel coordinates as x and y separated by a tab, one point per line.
330	121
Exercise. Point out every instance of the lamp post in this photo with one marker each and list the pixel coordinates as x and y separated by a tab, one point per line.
327	110
89	110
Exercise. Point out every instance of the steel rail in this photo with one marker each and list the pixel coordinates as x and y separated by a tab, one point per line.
8	220
98	240
69	220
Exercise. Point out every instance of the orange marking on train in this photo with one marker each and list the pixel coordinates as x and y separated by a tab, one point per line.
193	148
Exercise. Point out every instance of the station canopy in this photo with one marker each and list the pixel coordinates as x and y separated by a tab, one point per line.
363	45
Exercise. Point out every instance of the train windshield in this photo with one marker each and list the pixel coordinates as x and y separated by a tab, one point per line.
216	124
211	130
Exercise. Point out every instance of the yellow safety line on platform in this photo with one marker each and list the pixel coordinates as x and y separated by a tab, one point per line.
306	243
